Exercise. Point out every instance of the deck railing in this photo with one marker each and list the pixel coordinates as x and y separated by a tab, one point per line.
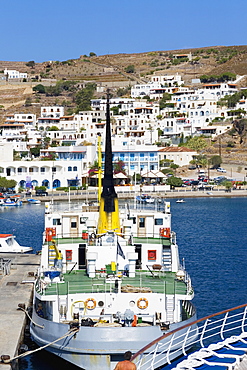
190	337
164	282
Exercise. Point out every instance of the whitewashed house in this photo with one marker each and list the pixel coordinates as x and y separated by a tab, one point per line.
13	74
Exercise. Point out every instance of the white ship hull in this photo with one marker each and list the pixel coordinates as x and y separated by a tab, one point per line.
101	348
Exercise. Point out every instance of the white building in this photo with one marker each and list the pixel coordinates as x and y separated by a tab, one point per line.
13	74
157	86
65	171
52	111
6	152
179	155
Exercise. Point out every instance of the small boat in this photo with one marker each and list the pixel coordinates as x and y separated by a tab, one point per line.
180	201
145	199
33	201
8	244
11	202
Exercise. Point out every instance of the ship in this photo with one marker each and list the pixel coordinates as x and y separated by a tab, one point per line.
110	280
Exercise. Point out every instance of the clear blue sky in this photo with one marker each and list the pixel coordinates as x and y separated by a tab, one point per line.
43	30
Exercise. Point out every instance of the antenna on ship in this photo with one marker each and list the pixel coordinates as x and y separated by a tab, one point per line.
108	211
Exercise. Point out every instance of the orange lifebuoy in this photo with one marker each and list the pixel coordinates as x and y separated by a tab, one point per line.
50	232
134	322
90	303
165	232
142	303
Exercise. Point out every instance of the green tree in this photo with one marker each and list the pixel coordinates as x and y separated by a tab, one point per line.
115	110
7	184
53	128
215	161
94	168
39	89
119	167
174	166
84	96
137	177
130	69
92	54
46	142
197	143
166	97
35	151
174	181
31	64
227	185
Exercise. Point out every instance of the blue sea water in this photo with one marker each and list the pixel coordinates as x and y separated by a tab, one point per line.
212	239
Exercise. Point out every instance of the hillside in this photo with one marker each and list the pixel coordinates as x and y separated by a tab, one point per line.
110	71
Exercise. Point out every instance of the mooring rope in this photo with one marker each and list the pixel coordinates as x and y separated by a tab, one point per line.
71	331
30	318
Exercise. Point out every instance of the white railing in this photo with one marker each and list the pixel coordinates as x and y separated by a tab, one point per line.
197	334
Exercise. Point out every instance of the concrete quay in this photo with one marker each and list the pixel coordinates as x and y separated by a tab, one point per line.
15	288
187	192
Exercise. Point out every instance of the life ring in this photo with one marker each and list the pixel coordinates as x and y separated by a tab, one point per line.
50	232
90	303
165	232
142	303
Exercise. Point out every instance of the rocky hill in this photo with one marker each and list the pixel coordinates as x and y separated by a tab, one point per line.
121	71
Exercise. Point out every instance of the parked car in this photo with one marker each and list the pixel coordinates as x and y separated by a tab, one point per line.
40	192
220	169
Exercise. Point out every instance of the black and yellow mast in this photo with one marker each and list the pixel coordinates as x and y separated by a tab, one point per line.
108	211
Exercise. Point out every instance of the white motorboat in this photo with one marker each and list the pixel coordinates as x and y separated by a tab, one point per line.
8	244
33	201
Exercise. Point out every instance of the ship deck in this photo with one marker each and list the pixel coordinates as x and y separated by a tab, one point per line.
136	240
77	281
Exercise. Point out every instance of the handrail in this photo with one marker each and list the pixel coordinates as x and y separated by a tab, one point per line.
189	325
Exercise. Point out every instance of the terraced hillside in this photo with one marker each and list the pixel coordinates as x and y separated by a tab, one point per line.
113	71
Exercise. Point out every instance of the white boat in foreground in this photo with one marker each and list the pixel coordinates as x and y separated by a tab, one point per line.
110	281
8	244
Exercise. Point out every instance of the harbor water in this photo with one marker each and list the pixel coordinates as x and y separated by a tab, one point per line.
212	239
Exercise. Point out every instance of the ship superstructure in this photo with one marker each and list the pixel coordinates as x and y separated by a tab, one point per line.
120	286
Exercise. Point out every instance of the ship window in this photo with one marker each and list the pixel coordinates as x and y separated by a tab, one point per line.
56	221
158	221
141	222
133	219
83	220
73	224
